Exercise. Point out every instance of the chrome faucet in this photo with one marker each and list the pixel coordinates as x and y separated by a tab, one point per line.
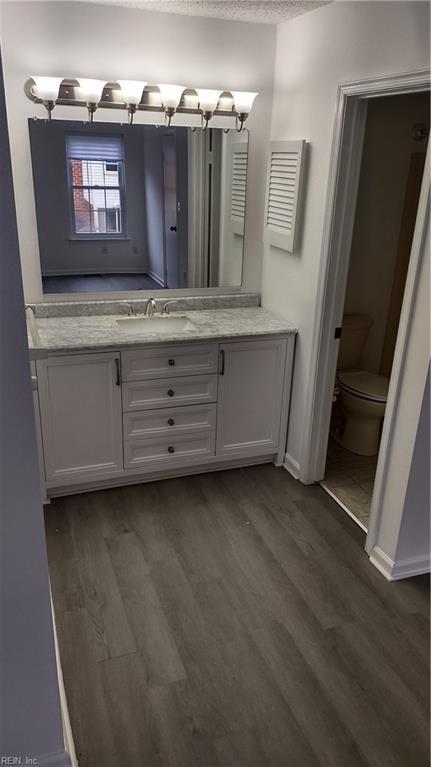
132	311
165	309
150	307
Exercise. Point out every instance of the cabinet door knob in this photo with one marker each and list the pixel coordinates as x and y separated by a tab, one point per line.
171	422
173	228
172	363
171	392
171	449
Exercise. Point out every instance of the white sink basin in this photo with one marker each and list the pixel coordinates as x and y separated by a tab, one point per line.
162	325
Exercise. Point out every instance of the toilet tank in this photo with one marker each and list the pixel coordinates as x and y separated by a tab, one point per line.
354	334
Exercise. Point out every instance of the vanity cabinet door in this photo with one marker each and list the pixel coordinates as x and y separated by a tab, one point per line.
80	407
251	383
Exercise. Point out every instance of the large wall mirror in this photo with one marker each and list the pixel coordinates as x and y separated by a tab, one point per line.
138	207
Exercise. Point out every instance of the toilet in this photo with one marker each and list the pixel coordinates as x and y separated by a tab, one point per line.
362	395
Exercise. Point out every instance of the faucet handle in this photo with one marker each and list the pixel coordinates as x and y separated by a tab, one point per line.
165	309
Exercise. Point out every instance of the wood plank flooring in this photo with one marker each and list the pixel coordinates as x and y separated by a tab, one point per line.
233	620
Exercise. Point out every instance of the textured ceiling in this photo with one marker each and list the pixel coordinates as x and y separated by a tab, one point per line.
257	11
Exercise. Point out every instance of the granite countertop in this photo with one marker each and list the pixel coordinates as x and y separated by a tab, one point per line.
102	332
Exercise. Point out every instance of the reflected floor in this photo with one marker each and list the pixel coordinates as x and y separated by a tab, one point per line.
349	478
98	283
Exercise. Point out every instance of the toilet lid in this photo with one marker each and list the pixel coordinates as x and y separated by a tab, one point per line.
367	385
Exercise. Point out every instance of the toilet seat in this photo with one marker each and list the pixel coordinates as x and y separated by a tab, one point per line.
364	384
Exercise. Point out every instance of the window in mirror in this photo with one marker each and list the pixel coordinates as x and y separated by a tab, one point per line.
138	207
96	184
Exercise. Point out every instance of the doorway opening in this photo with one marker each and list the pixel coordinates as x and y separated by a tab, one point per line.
390	177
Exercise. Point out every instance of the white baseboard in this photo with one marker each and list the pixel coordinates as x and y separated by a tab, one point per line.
291	466
95	272
59	759
382	562
406	568
156	278
69	743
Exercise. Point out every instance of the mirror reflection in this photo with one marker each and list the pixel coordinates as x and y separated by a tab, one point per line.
138	207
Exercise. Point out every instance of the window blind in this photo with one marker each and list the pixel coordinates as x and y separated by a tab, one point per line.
82	147
239	188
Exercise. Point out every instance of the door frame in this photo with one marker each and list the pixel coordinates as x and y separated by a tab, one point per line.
346	156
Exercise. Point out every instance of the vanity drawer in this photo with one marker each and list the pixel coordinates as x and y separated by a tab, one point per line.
169	392
173	420
168	451
178	360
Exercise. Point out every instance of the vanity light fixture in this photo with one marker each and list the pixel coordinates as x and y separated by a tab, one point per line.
46	89
91	92
242	104
131	91
138	95
208	100
171	97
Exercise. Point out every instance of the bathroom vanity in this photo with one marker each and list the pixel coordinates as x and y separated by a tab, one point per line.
122	400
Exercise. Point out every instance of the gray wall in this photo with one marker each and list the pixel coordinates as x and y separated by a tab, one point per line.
30	721
154	200
153	185
58	253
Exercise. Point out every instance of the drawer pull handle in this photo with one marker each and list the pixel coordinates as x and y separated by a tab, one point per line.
223	362
171	422
171	392
117	372
172	363
171	449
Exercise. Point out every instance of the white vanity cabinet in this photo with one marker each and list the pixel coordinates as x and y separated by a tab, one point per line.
143	413
250	399
80	410
169	405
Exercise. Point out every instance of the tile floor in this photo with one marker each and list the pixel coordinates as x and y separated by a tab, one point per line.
350	479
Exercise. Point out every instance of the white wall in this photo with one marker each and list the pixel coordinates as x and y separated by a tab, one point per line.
339	42
414	537
388	147
93	40
400	540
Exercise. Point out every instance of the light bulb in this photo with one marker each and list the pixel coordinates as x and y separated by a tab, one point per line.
170	95
46	88
243	101
208	99
90	90
131	91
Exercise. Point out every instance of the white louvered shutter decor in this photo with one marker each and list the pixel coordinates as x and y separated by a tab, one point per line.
282	194
238	187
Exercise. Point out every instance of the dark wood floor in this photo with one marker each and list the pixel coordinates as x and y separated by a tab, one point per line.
98	283
233	620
